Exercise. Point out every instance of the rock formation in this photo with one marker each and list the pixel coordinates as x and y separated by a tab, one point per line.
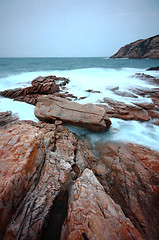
137	110
40	86
153	69
49	187
90	116
92	214
42	165
22	154
130	175
53	187
7	117
144	48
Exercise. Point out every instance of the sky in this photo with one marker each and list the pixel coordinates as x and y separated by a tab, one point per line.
74	28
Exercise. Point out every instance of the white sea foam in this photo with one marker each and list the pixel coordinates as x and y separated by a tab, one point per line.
122	131
97	79
23	110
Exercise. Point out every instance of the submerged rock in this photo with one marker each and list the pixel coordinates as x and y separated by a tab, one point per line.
92	214
7	117
153	69
90	116
144	48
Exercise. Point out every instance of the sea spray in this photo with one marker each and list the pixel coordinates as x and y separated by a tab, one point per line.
97	74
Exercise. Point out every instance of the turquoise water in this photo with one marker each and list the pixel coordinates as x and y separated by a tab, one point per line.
100	74
19	65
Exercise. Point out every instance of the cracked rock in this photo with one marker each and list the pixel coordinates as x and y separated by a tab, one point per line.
91	116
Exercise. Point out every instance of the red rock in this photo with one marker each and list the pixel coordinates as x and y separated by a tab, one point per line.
63	152
153	114
92	214
130	175
124	111
40	86
22	154
90	116
146	106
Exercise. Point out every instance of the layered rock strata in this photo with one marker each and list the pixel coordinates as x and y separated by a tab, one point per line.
140	49
90	116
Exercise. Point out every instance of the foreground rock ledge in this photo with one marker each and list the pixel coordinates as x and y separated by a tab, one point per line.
90	116
129	173
92	214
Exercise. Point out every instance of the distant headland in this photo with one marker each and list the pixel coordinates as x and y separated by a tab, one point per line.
140	49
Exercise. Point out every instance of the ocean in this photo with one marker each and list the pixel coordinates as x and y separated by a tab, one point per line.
98	74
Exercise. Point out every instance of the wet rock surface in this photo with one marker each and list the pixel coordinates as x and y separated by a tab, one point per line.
153	69
7	117
90	116
39	86
137	110
124	111
140	49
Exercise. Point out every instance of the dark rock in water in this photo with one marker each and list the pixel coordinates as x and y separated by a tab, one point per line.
40	86
144	48
92	214
130	175
90	116
153	69
147	78
7	117
92	91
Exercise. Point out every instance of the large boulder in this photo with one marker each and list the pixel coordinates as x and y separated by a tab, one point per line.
90	116
92	214
144	48
130	175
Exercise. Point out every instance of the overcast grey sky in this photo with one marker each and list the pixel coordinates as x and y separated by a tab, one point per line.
74	28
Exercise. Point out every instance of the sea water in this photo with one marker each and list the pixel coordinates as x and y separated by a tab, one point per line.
97	74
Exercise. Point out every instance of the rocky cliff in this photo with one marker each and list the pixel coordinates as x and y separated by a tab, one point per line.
144	48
